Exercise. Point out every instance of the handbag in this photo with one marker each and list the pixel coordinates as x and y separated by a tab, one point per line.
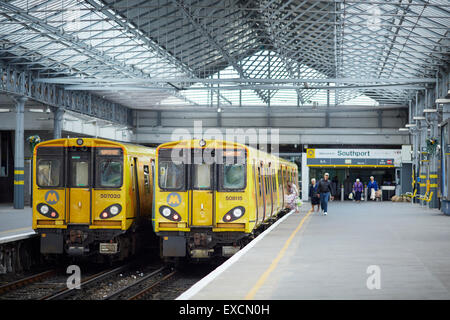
350	195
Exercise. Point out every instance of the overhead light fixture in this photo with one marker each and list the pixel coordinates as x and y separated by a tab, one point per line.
410	125
5	110
219	109
419	118
403	129
36	110
429	110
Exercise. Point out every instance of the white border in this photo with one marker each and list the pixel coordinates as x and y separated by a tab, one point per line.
224	266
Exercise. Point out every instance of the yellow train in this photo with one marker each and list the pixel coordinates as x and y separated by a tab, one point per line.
90	196
211	195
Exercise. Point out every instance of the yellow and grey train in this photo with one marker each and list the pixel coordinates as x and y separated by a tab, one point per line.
90	196
210	196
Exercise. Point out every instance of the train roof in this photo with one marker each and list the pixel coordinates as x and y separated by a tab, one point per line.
195	143
97	142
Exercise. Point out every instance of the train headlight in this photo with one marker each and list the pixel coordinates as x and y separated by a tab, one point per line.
234	214
237	212
114	210
47	211
169	213
44	209
111	211
166	212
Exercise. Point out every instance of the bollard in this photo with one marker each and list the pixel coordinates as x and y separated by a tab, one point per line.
342	193
365	193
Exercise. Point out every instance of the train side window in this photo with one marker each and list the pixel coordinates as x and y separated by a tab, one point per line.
259	182
274	181
49	173
280	181
146	179
132	176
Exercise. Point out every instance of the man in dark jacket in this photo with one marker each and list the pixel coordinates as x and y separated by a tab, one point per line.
325	190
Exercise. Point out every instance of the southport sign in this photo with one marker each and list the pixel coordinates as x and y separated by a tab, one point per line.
354	157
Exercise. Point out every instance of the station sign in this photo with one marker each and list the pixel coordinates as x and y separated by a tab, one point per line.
354	157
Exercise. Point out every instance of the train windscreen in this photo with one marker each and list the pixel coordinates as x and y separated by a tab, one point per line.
171	171
109	168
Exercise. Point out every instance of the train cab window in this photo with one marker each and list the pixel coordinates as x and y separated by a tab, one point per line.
202	176
49	173
171	175
109	173
79	176
233	176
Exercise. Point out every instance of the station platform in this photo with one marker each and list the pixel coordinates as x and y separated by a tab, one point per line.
374	250
15	224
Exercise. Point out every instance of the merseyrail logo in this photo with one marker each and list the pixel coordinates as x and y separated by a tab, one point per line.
51	197
311	153
174	199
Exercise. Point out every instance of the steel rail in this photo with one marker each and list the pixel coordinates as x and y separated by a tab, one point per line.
146	290
92	279
134	284
28	280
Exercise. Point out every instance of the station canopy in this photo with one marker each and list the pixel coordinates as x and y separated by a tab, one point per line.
144	53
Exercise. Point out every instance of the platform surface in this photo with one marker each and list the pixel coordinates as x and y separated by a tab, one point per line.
327	257
15	224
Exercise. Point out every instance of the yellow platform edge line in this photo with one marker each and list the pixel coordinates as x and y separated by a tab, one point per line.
251	294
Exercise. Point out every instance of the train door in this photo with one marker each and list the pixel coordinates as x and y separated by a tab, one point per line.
79	185
256	192
262	195
271	191
136	188
267	193
202	191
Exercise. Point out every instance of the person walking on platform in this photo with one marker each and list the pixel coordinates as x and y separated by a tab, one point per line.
358	188
314	194
372	188
324	190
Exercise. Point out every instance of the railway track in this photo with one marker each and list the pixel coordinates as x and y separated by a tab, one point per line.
132	281
66	292
26	281
141	287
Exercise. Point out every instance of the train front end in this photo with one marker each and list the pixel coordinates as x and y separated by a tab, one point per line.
202	198
79	205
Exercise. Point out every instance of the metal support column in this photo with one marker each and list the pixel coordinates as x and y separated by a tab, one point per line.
19	172
58	114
